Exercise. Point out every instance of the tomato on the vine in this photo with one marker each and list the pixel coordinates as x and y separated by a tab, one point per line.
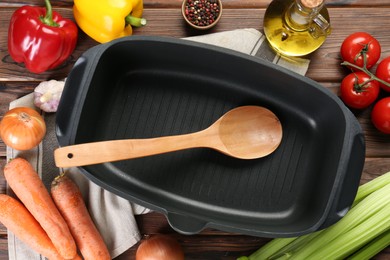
358	90
383	72
358	44
380	115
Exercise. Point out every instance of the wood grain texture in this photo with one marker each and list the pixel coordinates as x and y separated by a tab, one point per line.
164	19
226	3
324	66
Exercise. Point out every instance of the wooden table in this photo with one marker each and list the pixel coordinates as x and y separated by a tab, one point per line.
164	19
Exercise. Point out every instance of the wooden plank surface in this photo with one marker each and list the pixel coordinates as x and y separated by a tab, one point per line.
168	22
164	19
226	3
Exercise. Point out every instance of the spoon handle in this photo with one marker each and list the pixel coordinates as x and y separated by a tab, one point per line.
109	151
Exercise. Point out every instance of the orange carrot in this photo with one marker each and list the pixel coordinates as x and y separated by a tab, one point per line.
19	221
67	196
29	188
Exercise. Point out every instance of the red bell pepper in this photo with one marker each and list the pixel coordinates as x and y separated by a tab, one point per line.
40	37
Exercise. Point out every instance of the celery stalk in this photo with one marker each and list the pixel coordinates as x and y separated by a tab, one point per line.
357	215
372	248
295	245
348	242
371	186
269	249
280	248
370	198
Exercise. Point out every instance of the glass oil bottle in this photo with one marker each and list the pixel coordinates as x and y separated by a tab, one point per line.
296	27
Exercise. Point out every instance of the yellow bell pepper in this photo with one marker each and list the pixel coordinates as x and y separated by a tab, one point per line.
106	20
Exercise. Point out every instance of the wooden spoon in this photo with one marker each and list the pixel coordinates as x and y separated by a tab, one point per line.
246	132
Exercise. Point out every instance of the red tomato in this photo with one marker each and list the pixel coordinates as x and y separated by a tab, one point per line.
383	72
358	44
356	95
380	115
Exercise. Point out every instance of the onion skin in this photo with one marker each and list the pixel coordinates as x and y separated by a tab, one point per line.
159	247
22	128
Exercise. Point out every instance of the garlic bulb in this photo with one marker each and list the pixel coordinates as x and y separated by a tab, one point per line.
47	95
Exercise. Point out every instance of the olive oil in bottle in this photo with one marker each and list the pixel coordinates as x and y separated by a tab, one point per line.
296	27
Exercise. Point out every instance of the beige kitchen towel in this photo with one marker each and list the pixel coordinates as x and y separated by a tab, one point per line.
253	42
113	215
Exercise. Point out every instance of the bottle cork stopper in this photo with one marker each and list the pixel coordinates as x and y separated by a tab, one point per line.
312	3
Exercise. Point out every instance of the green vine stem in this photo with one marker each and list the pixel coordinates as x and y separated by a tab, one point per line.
365	70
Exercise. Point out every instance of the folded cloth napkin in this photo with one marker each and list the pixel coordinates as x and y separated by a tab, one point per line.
253	42
113	215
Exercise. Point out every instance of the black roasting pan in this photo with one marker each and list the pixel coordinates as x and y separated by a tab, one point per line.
146	86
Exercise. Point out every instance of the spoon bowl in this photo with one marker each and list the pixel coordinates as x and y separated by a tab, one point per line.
249	132
246	132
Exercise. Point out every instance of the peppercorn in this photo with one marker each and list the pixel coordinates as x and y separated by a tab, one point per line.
202	12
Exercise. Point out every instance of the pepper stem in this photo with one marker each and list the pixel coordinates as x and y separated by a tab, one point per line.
135	21
48	18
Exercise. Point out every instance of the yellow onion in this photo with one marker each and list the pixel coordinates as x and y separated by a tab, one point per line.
22	128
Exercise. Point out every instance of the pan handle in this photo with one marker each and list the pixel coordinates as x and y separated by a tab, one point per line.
355	156
71	97
185	224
